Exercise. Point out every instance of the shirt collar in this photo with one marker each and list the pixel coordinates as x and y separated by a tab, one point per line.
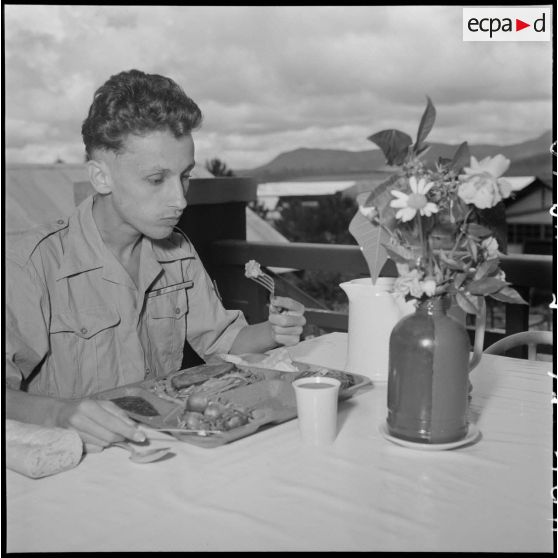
85	249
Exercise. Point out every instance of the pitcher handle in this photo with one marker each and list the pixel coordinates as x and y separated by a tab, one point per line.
480	327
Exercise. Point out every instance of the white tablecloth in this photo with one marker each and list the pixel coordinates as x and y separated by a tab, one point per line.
269	492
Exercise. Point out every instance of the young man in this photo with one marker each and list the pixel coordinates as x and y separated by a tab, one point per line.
109	296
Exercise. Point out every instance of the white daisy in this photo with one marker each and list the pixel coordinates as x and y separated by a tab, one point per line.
409	204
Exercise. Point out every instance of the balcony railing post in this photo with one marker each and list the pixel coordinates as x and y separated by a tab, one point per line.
216	211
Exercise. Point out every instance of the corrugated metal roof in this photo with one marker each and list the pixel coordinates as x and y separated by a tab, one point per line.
37	194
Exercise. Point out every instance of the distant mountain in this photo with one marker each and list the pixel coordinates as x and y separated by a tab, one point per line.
531	157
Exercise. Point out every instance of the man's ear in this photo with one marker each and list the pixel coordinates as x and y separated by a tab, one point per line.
99	176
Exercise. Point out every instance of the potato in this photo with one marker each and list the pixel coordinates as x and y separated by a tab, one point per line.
213	410
235	421
194	420
197	402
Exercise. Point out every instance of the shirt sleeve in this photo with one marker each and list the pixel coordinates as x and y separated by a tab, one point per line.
27	316
211	329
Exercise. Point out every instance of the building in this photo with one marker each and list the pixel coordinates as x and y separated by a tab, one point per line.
530	228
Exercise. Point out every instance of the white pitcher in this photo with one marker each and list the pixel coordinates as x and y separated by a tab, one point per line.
373	312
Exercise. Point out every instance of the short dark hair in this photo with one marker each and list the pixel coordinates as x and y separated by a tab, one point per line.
133	102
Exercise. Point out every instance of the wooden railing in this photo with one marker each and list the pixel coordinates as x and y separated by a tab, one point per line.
229	256
215	221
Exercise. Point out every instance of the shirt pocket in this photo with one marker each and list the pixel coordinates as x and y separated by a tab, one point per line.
87	339
167	329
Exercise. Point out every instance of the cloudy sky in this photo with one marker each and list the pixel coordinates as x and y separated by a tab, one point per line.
271	79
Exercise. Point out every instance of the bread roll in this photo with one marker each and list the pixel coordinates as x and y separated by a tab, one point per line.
37	451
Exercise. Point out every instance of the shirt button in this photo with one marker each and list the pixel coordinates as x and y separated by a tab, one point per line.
83	330
177	310
60	221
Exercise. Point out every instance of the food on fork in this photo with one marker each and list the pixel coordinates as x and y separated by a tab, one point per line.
253	270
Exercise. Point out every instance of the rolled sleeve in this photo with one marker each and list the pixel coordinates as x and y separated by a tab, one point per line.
211	329
27	311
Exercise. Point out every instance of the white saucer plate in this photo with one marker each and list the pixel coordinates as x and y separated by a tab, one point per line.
472	434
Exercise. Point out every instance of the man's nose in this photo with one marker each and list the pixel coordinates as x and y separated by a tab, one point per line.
178	197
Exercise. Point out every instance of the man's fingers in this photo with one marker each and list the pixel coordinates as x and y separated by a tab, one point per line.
93	448
99	420
94	432
287	319
287	339
117	411
287	303
292	330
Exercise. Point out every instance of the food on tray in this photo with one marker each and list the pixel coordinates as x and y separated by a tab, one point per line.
136	404
277	359
216	403
212	414
198	374
169	387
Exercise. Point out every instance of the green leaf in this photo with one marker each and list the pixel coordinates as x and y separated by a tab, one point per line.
398	253
394	145
461	158
458	279
444	162
473	249
474	229
426	123
423	150
485	286
487	267
495	219
381	196
467	302
450	262
370	238
507	294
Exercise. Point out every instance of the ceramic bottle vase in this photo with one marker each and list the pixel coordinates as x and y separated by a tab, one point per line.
373	312
428	381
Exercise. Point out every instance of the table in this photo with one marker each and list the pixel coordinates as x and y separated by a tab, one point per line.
269	492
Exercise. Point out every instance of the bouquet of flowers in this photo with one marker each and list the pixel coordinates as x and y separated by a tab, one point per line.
443	226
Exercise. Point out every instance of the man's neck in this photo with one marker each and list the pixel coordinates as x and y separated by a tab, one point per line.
126	247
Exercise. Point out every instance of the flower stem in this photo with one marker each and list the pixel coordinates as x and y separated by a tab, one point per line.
461	233
424	244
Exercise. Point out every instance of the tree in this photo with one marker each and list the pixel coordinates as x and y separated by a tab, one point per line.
218	168
325	221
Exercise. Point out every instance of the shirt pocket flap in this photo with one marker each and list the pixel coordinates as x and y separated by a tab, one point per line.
170	305
86	323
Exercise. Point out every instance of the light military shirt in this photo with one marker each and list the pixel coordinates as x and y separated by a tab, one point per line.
77	324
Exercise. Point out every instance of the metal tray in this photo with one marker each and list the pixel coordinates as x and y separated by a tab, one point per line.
267	393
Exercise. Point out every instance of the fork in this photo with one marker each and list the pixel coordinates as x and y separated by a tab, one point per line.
254	272
199	432
266	281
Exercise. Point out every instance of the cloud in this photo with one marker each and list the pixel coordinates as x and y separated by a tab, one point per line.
273	78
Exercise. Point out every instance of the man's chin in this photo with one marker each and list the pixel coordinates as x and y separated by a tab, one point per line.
159	233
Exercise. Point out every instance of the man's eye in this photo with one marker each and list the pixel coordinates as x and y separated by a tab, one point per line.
156	180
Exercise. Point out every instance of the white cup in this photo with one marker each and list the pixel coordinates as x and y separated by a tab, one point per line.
316	403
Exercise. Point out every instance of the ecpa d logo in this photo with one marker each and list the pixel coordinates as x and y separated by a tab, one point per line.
507	24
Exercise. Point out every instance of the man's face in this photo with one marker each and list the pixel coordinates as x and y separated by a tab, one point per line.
149	181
